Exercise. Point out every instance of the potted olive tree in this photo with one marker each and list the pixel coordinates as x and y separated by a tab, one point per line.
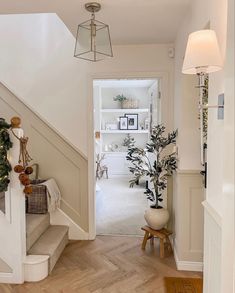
157	163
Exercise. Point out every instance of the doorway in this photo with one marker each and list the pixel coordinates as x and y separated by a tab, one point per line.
124	112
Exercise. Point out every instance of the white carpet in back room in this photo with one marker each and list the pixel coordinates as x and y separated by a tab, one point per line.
120	209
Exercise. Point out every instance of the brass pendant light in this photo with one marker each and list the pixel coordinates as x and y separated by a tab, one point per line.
93	41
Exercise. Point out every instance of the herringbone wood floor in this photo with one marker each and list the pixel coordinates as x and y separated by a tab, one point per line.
109	265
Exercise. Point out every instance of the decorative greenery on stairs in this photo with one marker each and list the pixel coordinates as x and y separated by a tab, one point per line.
5	145
158	170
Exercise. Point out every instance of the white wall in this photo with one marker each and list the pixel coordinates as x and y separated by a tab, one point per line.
37	64
219	228
228	245
214	13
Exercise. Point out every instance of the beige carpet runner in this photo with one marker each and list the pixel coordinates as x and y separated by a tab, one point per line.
183	285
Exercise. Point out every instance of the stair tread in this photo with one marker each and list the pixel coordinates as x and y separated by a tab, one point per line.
49	240
36	225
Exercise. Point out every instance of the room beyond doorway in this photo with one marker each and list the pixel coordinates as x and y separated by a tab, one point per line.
124	112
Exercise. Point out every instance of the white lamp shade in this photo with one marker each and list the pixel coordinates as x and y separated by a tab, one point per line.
202	53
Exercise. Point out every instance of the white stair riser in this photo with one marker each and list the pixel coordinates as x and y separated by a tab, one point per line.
37	270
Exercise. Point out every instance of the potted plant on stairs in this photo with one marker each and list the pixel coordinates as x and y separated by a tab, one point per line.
157	163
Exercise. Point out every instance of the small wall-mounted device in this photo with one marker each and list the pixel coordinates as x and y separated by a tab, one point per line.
220	107
171	52
220	115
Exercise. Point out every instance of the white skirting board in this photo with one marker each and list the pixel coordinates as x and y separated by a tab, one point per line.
7	278
185	265
75	232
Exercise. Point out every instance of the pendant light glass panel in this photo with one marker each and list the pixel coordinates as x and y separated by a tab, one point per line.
93	41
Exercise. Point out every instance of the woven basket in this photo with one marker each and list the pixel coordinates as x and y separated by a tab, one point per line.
36	203
130	104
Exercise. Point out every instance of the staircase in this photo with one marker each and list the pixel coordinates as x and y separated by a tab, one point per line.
45	239
34	242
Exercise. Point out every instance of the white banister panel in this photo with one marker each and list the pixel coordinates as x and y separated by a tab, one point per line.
12	226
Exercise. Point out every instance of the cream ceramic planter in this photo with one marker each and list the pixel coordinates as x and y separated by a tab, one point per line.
156	218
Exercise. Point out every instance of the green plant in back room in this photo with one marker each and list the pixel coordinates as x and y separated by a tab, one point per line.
120	98
155	163
128	141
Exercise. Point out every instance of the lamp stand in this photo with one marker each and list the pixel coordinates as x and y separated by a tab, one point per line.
201	86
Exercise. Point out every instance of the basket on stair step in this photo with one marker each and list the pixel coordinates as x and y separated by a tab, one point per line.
36	203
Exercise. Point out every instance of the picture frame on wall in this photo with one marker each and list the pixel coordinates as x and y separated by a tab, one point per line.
132	122
123	123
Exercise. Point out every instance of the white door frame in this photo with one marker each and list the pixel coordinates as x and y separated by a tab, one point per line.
167	118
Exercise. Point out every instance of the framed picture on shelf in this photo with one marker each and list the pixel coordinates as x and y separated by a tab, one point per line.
146	124
123	123
132	121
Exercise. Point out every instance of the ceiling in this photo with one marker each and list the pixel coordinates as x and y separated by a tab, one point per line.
125	83
131	21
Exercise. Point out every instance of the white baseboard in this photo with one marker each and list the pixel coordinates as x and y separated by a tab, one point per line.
187	265
10	278
75	232
6	278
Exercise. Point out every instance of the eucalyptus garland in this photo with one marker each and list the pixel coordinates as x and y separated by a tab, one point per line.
5	145
205	111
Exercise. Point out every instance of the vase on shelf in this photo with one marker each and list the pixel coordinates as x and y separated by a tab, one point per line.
130	104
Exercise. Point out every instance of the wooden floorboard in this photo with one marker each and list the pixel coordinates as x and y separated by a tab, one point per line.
109	264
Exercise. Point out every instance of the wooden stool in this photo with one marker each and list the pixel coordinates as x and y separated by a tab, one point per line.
163	236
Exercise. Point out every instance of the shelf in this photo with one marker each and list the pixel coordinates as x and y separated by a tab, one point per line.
114	153
128	111
124	131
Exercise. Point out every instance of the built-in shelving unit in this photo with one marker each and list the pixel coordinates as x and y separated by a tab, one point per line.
107	117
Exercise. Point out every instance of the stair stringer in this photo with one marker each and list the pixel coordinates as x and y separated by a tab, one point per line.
75	232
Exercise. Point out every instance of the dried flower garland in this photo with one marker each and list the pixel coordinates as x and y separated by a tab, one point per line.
24	158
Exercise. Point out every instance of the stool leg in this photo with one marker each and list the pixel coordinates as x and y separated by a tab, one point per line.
145	239
152	241
168	244
161	248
